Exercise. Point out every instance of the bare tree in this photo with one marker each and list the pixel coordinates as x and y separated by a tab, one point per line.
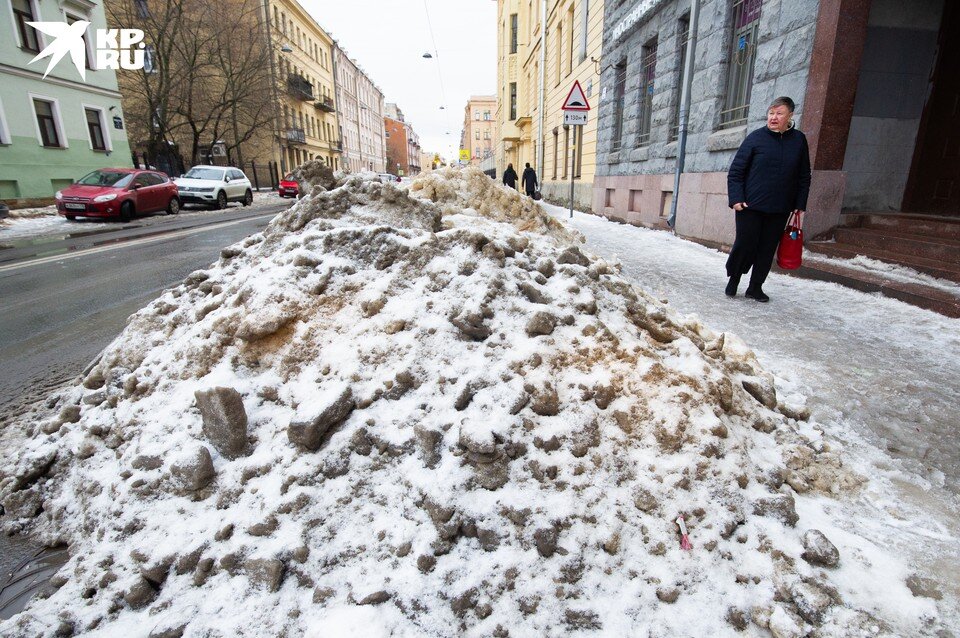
210	76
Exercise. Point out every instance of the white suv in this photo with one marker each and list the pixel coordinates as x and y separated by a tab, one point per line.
214	186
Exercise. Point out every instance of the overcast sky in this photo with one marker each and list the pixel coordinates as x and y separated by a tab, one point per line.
388	39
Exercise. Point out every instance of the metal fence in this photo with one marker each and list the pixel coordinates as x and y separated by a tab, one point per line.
263	176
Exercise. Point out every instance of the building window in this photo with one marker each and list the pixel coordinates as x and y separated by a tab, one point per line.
149	59
143	10
569	52
4	131
559	55
584	27
22	14
477	136
743	49
486	115
513	33
476	115
619	104
513	101
47	116
95	128
683	37
486	135
648	67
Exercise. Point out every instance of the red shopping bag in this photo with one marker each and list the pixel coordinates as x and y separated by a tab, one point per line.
790	251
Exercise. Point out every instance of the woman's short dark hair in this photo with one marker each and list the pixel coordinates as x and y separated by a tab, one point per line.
783	101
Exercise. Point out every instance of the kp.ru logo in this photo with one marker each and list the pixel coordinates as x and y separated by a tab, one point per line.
116	48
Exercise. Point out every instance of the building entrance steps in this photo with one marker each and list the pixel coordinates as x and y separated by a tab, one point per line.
927	244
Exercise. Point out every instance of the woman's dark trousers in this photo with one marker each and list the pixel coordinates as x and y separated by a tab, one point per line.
758	234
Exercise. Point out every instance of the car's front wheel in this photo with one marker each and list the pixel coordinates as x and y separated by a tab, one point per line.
221	202
248	198
174	206
126	211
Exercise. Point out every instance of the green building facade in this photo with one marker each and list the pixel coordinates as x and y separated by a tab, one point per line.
56	129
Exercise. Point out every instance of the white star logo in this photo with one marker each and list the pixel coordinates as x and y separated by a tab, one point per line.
68	39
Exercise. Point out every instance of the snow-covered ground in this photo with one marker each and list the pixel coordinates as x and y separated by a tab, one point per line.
35	223
425	411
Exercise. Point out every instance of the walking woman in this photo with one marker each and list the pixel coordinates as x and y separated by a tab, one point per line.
768	180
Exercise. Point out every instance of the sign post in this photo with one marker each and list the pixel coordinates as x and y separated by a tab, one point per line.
575	110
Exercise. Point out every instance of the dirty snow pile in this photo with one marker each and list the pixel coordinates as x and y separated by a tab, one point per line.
425	413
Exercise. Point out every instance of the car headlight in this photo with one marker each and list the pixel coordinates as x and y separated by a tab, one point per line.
59	195
105	198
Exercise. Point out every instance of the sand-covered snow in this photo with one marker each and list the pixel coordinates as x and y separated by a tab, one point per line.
429	412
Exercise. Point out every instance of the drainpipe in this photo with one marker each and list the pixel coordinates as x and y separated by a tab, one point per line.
684	110
543	60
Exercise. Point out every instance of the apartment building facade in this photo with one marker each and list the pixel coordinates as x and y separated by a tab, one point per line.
875	87
361	116
56	129
309	126
543	48
479	128
403	143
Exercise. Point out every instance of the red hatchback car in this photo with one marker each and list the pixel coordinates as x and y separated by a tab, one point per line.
288	186
118	192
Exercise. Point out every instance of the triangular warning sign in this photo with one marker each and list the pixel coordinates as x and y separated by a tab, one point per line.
576	100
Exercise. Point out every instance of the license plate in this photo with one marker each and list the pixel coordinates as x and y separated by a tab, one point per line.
75	206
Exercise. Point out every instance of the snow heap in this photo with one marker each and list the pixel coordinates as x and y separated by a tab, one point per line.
424	412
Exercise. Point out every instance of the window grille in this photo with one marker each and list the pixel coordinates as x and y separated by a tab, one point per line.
648	67
743	50
619	104
683	37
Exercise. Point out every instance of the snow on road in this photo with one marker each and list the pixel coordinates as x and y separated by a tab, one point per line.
427	412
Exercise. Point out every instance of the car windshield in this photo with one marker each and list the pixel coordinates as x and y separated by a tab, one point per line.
288	177
205	173
116	179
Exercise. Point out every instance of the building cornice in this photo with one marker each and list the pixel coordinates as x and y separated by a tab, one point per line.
72	84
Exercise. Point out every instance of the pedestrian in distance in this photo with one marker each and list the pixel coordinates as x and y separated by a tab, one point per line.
529	180
510	177
769	179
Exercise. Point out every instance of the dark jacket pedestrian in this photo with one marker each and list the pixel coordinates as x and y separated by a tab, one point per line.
529	180
510	176
769	179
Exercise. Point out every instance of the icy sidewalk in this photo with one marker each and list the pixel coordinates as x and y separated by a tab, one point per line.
886	368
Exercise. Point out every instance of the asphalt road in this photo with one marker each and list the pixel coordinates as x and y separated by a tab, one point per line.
66	297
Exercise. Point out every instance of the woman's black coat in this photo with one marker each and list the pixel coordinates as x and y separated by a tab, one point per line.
771	172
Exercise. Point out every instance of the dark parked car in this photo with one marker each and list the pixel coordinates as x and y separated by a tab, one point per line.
118	192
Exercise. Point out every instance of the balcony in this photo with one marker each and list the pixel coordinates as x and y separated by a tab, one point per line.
299	87
296	135
325	104
337	145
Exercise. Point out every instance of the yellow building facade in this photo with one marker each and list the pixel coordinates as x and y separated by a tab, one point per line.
304	72
543	47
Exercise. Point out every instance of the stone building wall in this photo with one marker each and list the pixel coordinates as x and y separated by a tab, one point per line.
636	183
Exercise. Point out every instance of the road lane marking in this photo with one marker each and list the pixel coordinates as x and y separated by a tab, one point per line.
133	242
